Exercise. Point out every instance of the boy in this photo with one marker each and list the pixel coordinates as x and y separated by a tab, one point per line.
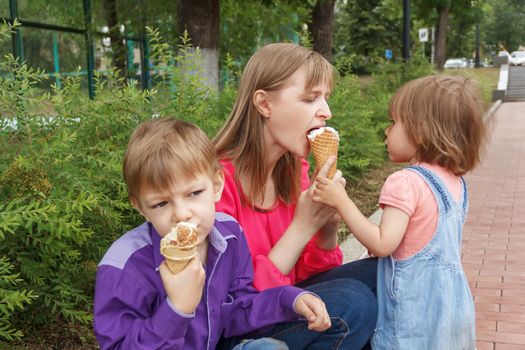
172	175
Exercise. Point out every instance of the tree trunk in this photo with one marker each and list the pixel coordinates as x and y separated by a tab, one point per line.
201	19
322	27
117	41
441	36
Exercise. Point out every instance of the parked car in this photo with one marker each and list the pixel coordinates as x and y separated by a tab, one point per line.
456	63
517	58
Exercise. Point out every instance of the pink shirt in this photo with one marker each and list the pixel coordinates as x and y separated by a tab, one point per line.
407	191
263	228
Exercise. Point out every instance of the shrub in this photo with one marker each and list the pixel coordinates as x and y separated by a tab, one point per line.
61	189
361	145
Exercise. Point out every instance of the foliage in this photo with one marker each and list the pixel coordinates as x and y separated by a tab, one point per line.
368	28
504	24
63	198
255	23
361	145
12	299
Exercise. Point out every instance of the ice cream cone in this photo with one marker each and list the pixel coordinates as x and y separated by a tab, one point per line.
179	246
324	143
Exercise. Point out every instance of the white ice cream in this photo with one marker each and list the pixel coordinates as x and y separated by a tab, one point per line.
172	235
312	134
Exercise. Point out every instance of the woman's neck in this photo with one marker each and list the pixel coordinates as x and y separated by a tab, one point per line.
268	197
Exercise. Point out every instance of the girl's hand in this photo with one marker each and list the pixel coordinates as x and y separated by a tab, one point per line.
314	311
332	224
329	192
185	288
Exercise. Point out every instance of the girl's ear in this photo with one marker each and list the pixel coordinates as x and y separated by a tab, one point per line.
262	103
218	185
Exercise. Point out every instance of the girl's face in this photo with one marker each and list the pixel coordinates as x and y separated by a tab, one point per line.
187	200
400	149
293	112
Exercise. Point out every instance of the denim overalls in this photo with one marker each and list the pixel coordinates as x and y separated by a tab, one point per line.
424	301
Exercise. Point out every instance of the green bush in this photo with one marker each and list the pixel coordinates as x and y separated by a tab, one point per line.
61	189
360	143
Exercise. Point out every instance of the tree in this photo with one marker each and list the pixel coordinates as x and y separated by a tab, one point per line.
117	41
504	29
322	27
441	34
256	23
200	18
441	13
364	30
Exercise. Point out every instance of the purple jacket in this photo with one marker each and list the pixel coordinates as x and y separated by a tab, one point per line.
132	311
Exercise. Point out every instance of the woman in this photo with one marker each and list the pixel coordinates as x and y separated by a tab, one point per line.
283	95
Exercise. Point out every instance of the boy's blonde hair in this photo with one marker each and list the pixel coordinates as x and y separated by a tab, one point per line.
161	150
241	137
443	118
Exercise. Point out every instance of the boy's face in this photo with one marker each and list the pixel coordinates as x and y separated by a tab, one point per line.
186	200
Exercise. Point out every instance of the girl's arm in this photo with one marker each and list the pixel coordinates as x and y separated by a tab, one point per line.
380	240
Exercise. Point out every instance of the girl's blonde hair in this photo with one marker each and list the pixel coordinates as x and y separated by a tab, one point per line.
443	118
241	137
162	150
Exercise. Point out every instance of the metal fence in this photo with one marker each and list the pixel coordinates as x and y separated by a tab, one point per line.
89	34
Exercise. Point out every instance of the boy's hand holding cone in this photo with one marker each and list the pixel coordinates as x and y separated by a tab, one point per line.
324	143
179	246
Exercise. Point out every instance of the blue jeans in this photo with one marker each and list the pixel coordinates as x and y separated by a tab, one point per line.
261	344
364	270
348	293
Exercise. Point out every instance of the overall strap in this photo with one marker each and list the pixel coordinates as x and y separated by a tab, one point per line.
464	199
437	186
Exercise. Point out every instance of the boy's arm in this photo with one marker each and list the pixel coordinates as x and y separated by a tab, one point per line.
249	309
123	318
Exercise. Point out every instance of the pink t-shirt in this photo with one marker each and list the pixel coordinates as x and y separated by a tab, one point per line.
263	228
406	190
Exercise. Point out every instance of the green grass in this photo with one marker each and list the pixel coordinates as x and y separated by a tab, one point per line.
486	77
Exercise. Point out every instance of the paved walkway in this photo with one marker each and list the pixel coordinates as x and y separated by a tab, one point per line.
494	234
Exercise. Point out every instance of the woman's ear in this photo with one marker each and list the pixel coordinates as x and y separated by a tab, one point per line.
218	185
262	103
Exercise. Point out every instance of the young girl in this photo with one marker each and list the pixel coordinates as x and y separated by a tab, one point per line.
423	296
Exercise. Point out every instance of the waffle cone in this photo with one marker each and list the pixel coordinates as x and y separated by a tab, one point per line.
179	246
178	258
323	146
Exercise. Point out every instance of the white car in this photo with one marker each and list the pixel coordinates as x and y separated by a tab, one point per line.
517	58
456	63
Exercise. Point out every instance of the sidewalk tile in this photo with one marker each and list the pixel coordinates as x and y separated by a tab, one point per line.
494	234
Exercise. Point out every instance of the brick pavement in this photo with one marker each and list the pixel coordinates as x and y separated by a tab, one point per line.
494	234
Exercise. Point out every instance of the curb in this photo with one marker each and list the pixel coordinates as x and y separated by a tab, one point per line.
352	249
490	113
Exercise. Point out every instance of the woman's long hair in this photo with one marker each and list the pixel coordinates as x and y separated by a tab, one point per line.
241	138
